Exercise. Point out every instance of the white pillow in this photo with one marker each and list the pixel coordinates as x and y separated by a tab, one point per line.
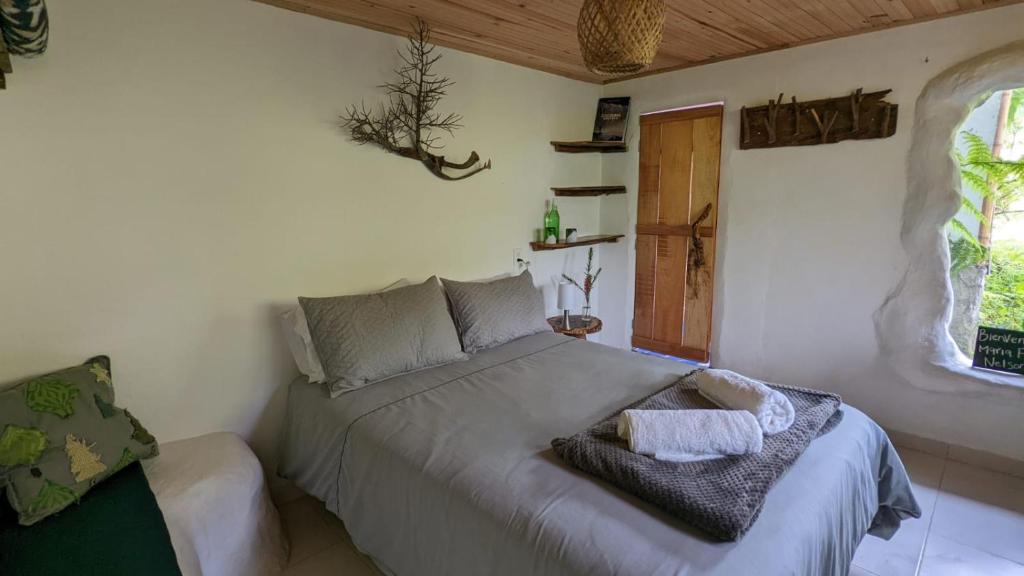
296	333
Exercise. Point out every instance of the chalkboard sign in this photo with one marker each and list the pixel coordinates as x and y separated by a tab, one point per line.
999	349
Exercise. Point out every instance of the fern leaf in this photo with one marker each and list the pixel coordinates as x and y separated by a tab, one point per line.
978	149
1013	168
967	206
964	231
1015	101
976	182
963	252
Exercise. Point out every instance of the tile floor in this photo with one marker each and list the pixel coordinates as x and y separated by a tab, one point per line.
973	525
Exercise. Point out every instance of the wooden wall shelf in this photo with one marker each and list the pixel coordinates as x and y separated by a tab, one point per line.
581	241
589	191
581	146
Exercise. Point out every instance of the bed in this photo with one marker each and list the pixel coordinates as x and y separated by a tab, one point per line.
449	471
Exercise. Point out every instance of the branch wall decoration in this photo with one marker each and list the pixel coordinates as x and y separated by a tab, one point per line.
24	31
404	123
859	116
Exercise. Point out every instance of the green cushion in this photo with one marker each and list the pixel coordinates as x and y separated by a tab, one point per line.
60	435
117	529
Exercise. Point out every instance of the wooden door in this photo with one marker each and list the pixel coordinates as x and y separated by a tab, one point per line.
675	263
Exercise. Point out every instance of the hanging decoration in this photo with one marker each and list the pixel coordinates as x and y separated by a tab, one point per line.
403	124
26	26
24	31
698	276
5	63
619	37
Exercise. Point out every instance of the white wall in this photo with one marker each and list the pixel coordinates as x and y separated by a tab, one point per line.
809	236
173	175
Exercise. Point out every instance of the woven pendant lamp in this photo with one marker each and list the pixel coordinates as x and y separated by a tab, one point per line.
620	36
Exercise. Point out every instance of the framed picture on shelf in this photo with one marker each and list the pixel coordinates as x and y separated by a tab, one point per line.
610	123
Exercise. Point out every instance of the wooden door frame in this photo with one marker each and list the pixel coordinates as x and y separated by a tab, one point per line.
686	113
710	110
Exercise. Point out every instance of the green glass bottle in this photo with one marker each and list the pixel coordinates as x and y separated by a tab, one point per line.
552	223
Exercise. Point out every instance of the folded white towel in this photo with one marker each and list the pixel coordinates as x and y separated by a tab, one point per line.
690	435
774	412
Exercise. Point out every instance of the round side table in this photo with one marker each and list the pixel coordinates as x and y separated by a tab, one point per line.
577	327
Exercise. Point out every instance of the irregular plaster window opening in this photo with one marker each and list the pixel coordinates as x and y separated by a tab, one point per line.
911	325
986	237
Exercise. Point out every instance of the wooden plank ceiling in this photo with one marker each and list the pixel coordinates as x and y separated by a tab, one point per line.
541	34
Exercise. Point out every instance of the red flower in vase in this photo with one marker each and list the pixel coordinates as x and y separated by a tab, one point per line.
589	279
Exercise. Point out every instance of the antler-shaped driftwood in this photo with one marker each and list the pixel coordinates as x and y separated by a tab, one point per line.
403	124
697	259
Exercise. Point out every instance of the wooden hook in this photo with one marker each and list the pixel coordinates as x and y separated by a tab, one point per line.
824	127
796	119
855	101
745	125
771	122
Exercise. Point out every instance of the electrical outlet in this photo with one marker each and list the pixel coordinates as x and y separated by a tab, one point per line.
518	264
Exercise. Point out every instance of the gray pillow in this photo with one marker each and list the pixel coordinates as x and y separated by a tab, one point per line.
366	338
491	313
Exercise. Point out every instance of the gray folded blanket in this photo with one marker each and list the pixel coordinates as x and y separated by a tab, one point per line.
722	497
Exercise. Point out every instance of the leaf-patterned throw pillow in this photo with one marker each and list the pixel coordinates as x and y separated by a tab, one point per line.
61	434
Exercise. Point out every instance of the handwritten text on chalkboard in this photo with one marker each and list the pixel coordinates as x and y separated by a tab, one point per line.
999	349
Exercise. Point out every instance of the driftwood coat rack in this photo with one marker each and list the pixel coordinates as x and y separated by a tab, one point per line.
858	116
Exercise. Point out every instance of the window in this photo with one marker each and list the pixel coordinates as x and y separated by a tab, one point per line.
986	237
912	323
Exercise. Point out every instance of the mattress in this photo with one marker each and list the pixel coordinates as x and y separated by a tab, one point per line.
449	471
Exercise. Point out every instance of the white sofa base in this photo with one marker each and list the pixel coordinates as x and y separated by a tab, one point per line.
215	501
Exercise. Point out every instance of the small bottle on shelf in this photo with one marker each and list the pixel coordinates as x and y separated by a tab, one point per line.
551	224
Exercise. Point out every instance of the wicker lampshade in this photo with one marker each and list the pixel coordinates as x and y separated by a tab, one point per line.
620	36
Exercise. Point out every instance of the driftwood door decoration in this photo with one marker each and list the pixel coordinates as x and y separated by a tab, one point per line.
697	258
858	116
402	125
24	31
677	213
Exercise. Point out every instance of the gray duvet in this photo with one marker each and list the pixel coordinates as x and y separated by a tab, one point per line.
449	471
